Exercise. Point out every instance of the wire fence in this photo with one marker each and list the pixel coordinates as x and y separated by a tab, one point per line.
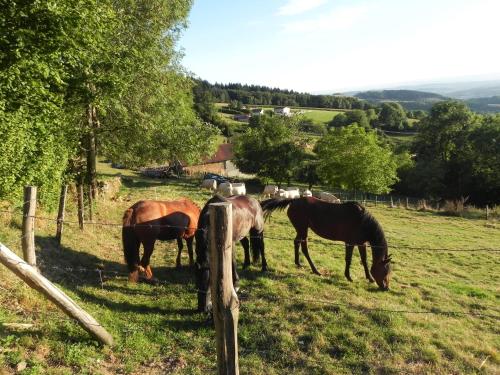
270	237
102	275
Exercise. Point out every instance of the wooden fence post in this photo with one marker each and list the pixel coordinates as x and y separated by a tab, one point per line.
376	199
79	189
29	275
392	202
28	239
224	299
407	205
60	213
487	212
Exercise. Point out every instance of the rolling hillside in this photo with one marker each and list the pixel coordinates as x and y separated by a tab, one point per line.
409	99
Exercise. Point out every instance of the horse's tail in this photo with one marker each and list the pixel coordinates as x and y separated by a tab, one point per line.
130	241
270	205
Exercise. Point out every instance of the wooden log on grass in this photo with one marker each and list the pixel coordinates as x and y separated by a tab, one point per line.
224	298
31	277
28	238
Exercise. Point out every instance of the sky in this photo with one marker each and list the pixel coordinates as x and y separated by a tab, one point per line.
342	45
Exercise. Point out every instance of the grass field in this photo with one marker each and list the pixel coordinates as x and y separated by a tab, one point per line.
291	321
320	116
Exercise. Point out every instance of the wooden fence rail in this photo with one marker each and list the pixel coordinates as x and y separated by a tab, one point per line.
31	277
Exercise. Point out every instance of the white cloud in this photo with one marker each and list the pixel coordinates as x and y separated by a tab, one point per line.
294	7
337	19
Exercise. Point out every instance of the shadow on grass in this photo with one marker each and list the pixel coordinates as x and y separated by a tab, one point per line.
76	268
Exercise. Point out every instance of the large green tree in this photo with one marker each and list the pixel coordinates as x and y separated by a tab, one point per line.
457	155
269	150
392	116
353	158
79	77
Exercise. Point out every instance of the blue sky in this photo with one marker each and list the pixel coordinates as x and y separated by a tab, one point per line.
339	45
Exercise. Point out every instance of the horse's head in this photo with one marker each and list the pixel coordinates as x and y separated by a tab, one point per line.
381	272
202	275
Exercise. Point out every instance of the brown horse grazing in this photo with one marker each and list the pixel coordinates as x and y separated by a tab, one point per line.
247	219
148	221
348	222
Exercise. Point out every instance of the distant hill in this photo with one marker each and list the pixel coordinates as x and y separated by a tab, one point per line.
491	104
409	99
460	90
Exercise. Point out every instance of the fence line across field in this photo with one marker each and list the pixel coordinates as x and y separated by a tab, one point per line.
313	240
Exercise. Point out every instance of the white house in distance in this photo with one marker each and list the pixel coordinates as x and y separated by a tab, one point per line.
284	111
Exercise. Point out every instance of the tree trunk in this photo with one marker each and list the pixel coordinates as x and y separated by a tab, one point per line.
91	146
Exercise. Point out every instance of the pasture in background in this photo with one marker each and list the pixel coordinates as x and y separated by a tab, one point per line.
440	316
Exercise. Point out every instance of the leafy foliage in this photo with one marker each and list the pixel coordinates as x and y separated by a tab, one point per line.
269	149
457	155
353	158
393	116
78	77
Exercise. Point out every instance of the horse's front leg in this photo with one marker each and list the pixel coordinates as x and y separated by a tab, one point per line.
179	246
246	247
362	253
348	258
305	250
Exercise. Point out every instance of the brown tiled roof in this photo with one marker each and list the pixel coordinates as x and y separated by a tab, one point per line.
224	152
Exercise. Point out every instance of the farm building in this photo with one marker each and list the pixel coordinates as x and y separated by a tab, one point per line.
285	111
219	163
243	118
257	112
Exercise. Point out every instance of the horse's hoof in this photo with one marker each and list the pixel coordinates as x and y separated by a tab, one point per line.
348	278
371	280
317	272
133	277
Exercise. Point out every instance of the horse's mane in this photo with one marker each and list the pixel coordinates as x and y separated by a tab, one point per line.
374	231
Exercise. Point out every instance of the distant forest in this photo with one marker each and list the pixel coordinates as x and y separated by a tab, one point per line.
261	95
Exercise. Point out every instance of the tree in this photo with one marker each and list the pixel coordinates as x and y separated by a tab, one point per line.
80	77
392	116
457	155
357	116
269	150
353	158
338	121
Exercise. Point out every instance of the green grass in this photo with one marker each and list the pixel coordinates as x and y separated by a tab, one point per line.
156	330
320	116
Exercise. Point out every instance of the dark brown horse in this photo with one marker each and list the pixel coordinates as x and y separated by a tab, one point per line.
348	222
148	221
247	220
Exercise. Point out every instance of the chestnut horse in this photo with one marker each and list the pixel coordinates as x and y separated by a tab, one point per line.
348	222
148	221
247	219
